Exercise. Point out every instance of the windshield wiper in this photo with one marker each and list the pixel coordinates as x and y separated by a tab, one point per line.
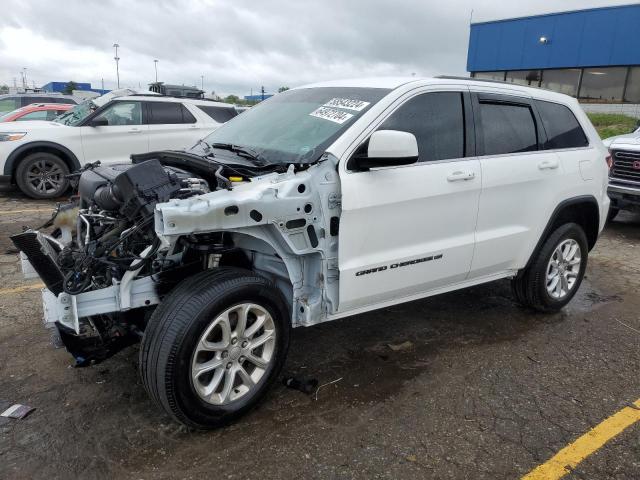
241	151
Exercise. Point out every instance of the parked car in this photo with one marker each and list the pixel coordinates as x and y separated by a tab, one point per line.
37	111
322	202
624	175
10	102
38	155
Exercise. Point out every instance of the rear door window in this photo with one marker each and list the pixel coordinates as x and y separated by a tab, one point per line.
219	114
507	128
169	113
561	126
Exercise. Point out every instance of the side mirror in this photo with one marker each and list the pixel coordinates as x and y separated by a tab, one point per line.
388	148
99	122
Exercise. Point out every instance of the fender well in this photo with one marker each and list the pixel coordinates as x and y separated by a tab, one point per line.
51	147
582	210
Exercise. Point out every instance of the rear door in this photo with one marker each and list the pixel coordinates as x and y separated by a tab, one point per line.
171	126
520	181
124	134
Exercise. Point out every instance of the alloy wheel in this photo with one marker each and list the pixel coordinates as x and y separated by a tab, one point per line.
563	268
233	354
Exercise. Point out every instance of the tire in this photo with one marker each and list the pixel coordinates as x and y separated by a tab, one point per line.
190	317
531	286
42	175
612	214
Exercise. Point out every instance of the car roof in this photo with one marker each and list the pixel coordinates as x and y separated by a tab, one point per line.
47	105
161	98
393	83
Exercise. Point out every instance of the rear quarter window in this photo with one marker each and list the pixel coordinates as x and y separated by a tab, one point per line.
561	126
219	114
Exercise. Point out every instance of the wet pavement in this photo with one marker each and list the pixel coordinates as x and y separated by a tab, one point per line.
463	385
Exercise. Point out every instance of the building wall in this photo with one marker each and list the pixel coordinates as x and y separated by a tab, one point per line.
586	38
60	86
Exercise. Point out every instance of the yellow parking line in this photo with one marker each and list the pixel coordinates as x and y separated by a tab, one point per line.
9	291
571	455
29	210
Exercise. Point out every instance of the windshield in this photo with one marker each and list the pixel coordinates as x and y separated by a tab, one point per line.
298	125
78	113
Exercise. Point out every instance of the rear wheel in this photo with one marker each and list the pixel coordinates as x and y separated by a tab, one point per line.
214	346
556	271
42	175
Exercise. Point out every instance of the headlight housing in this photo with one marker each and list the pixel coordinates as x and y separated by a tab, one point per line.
10	136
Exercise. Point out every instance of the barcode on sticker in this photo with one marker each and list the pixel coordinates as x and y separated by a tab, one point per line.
331	114
357	105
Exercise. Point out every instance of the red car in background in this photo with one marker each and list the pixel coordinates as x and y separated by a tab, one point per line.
36	111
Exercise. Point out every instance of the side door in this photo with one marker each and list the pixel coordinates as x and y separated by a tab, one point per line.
171	126
409	229
520	181
115	133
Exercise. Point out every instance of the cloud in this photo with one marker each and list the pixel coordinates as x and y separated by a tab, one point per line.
241	45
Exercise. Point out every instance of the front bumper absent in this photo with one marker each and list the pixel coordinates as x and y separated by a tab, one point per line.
67	310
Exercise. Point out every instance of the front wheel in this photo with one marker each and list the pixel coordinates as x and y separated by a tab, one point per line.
214	346
555	272
42	175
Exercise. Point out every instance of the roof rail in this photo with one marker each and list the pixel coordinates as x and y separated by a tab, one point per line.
471	79
160	95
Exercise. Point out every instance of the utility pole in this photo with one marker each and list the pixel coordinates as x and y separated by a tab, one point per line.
24	78
155	64
262	92
202	78
102	84
117	59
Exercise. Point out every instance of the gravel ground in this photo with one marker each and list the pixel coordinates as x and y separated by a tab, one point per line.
475	387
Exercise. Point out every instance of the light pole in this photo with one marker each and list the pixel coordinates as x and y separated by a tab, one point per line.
202	78
155	64
117	59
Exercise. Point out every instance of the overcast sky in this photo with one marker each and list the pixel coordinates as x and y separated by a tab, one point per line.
239	45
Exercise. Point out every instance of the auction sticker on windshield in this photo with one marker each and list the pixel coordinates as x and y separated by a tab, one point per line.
331	114
357	105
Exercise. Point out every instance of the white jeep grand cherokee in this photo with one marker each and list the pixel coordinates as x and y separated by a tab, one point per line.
322	202
37	155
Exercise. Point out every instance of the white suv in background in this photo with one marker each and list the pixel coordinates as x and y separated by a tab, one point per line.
37	155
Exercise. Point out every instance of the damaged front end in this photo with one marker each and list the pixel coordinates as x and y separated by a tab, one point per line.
135	231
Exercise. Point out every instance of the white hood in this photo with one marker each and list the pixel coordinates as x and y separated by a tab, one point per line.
28	126
630	138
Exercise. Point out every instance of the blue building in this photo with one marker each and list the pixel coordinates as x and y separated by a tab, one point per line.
257	98
60	86
590	54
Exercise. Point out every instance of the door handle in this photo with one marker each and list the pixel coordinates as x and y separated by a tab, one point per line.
193	127
548	165
461	176
135	130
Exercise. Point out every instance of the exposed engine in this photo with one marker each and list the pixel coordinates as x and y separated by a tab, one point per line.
112	220
115	221
109	259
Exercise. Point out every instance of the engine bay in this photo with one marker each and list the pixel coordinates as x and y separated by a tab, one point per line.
132	232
